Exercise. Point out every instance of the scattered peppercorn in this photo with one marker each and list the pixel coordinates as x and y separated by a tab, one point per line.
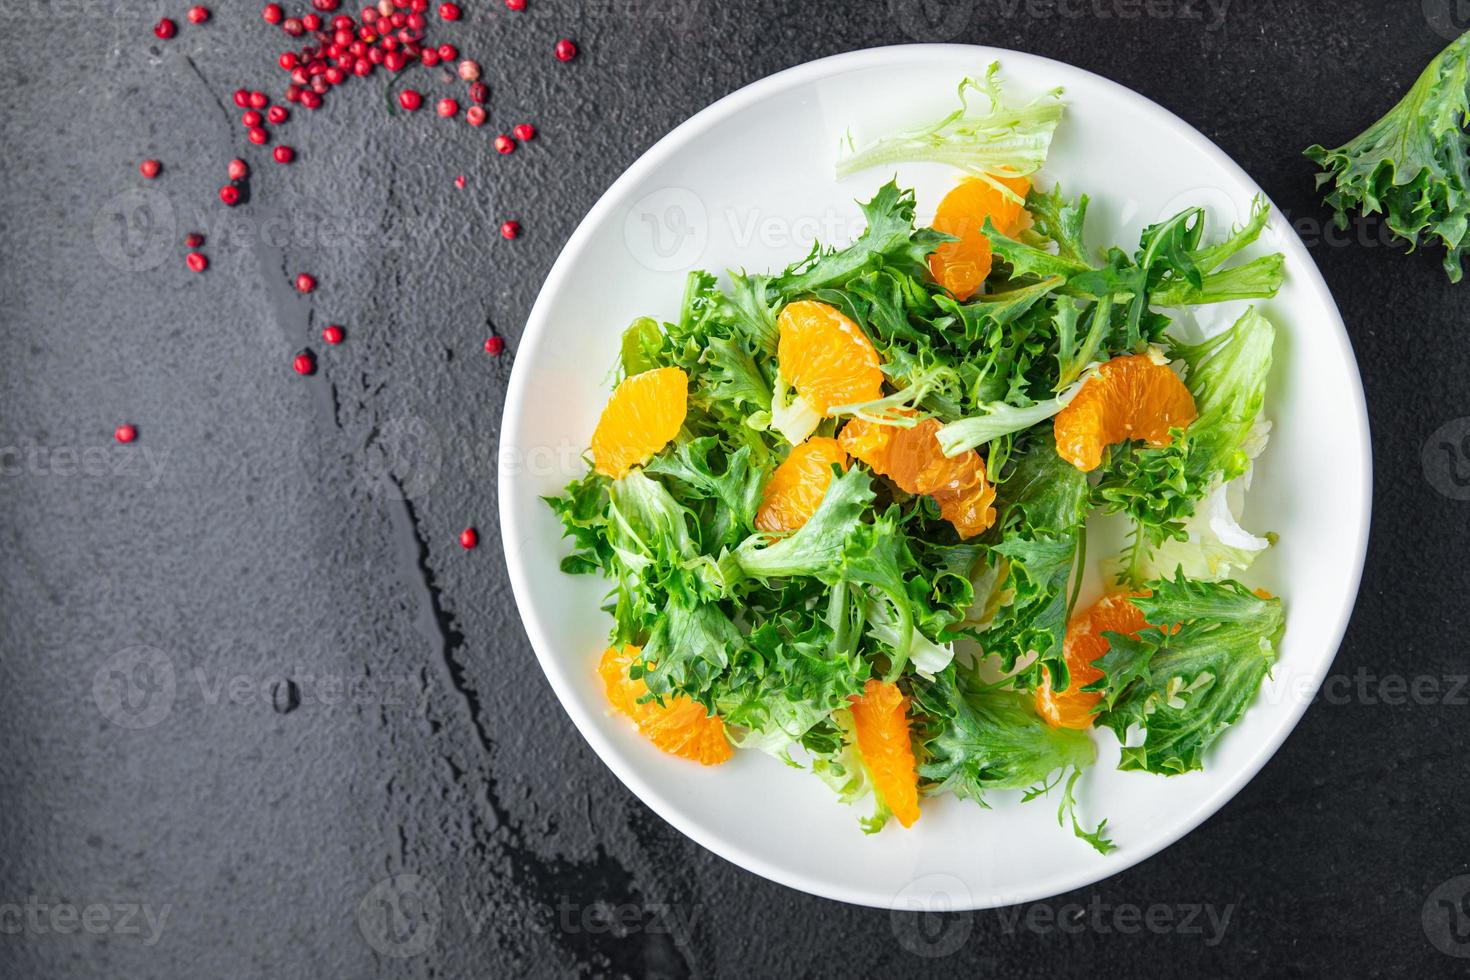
125	433
165	29
332	334
196	261
150	168
304	363
198	15
283	154
410	100
193	240
305	282
229	194
494	346
524	132
509	229
565	50
468	538
238	169
504	143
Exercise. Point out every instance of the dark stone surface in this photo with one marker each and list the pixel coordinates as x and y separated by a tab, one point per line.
253	549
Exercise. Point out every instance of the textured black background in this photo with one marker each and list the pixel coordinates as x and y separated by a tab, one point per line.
251	532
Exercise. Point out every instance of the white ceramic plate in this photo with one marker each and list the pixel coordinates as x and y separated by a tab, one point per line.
749	183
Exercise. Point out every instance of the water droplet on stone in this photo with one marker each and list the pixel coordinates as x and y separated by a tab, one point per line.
285	697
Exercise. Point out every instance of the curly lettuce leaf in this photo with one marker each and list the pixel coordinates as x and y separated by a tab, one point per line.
890	239
982	739
1159	487
817	548
1411	165
1041	509
1185	682
735	492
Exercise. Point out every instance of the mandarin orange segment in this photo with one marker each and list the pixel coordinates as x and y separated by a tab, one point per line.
1085	643
795	490
826	357
642	417
1130	397
962	266
880	721
679	726
913	459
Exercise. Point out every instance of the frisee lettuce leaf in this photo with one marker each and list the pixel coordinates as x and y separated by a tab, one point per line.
1185	681
1411	164
983	137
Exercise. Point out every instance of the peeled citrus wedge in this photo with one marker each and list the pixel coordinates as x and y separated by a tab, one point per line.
1072	708
642	417
880	720
962	266
679	726
1130	397
795	489
913	459
828	360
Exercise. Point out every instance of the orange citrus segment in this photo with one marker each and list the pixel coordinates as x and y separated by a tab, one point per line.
961	266
1085	643
643	415
795	490
880	720
826	357
679	726
913	459
1130	397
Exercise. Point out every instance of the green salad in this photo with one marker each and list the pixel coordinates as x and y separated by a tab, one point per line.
843	508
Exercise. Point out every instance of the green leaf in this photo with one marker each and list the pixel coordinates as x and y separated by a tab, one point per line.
690	645
1186	682
1040	510
890	239
1411	164
641	346
817	548
987	138
737	489
982	739
1060	221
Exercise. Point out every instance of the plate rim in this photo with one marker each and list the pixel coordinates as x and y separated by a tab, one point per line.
1303	266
